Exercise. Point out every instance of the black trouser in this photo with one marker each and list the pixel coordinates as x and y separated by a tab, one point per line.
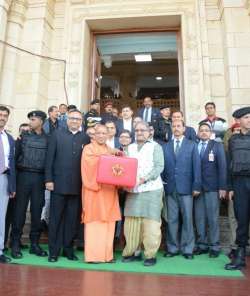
80	229
62	222
241	187
9	219
30	187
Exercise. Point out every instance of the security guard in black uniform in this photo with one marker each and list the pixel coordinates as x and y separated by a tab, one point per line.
31	151
162	126
92	117
239	184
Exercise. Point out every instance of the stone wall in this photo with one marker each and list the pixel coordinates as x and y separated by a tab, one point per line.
214	38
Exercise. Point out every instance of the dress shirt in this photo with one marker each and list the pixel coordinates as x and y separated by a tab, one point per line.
6	148
149	114
200	145
127	124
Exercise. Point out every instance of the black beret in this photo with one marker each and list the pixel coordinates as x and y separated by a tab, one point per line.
206	124
164	107
241	112
37	113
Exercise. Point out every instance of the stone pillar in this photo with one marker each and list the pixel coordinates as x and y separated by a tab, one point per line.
34	71
4	8
236	32
13	36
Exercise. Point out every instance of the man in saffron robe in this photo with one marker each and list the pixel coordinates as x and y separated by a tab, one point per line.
100	202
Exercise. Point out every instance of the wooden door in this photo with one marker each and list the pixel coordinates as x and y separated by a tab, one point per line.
96	73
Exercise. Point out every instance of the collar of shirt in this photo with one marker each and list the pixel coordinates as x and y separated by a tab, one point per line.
180	139
200	145
6	147
127	124
75	132
201	141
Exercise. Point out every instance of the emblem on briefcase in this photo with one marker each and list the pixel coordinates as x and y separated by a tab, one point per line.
117	170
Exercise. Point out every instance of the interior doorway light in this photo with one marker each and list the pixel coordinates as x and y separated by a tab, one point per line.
158	78
143	58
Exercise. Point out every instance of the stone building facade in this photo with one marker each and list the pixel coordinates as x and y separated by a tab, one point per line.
214	38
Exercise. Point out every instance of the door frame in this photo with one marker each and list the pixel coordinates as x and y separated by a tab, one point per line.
93	61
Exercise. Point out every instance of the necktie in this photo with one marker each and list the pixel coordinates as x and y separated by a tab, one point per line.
146	115
2	158
203	148
177	147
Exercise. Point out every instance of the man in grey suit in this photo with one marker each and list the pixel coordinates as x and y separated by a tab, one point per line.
182	177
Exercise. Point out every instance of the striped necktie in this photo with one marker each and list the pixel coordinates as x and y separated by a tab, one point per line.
203	148
177	147
146	116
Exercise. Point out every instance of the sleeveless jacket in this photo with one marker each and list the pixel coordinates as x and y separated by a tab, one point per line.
240	154
32	155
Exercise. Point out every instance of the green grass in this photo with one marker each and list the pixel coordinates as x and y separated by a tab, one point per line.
200	266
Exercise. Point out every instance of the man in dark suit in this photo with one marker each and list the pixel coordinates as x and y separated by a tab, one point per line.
113	141
63	179
182	177
126	122
148	113
213	185
189	133
7	175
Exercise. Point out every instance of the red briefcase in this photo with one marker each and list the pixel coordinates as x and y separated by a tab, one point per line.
114	170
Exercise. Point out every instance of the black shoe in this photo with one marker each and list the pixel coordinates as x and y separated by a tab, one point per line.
37	250
169	254
69	254
149	262
214	254
239	261
16	253
23	246
199	251
79	248
5	249
232	253
52	258
72	257
127	259
188	256
4	259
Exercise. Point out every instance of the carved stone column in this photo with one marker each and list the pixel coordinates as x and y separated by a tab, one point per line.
4	8
13	34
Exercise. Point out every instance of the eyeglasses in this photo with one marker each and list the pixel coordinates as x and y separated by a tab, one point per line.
141	130
126	137
74	118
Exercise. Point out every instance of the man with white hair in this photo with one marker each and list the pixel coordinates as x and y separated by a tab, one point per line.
144	202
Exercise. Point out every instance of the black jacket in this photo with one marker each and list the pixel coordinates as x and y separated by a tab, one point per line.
162	129
31	150
63	162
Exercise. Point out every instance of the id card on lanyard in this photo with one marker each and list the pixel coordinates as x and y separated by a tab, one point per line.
211	156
